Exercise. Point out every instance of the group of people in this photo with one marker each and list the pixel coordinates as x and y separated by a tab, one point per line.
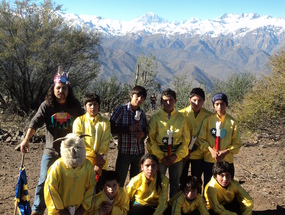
75	179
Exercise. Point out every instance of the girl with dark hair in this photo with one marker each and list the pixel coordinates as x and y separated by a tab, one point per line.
148	191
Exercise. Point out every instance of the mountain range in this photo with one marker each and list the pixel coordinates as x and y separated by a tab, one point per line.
201	49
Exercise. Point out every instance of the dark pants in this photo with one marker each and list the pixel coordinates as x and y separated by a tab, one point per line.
168	212
208	171
123	163
141	210
233	206
99	184
197	167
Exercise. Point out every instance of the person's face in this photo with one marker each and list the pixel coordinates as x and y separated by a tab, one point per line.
149	168
92	108
190	194
224	179
220	107
136	100
168	103
196	103
61	92
111	188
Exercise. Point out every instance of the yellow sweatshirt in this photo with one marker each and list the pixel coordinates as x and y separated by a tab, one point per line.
216	196
158	137
194	125
120	203
179	204
146	194
66	187
99	129
229	139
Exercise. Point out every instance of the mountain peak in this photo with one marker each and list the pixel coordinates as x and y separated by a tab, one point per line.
149	18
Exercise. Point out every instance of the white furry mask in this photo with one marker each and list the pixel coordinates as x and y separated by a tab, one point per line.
73	151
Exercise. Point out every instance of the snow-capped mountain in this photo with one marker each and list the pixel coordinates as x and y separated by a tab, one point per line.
202	49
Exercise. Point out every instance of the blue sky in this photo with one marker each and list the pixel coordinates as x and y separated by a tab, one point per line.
178	10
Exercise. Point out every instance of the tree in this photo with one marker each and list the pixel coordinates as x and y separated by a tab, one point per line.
112	94
34	41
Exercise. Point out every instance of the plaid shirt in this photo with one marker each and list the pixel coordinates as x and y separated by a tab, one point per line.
128	144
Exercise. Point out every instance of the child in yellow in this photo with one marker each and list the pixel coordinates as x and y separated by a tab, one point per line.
230	141
112	200
148	191
225	196
169	126
70	182
99	131
188	200
194	115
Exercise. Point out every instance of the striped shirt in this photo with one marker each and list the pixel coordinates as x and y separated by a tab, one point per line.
121	119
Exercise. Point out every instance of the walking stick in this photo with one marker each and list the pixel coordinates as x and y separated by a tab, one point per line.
22	163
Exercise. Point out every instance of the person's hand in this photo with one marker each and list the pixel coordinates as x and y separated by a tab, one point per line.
80	210
134	127
98	170
99	160
140	135
222	154
164	161
171	159
214	153
25	146
105	208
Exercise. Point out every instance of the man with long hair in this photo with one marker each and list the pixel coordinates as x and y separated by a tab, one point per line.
57	112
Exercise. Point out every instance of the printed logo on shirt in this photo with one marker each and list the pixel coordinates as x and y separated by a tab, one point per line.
61	120
222	132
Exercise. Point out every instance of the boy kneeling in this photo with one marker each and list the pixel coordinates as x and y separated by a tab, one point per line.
225	196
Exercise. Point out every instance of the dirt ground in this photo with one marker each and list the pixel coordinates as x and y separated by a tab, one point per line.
260	167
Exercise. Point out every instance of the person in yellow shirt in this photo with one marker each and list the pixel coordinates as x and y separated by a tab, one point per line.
228	136
167	128
99	130
148	191
112	200
188	200
70	182
194	115
225	196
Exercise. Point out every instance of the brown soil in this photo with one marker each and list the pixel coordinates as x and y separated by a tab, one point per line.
260	167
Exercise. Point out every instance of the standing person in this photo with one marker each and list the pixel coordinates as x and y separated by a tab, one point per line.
70	182
129	122
168	127
229	139
99	130
224	195
148	191
57	112
194	115
153	101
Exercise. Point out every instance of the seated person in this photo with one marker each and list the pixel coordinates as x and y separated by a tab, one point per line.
70	182
224	195
148	191
188	200
112	199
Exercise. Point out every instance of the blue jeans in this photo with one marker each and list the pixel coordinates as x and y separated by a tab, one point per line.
39	201
123	163
175	171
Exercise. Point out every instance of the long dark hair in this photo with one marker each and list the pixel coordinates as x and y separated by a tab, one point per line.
51	99
155	159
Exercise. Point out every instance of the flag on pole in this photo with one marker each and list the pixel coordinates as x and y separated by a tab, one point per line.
22	200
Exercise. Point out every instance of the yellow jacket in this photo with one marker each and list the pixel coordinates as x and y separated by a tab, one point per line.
216	196
230	137
194	125
146	194
158	137
179	204
66	187
99	129
120	204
